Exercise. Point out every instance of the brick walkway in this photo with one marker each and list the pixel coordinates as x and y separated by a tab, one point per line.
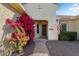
40	48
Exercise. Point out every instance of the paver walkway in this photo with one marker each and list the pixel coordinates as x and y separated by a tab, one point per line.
40	48
63	48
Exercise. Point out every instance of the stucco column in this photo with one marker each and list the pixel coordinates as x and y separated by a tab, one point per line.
52	29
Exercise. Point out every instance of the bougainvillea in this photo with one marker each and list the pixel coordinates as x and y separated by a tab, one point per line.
11	23
28	24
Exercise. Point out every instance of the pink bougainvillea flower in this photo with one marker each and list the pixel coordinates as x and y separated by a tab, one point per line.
28	25
12	23
17	24
9	21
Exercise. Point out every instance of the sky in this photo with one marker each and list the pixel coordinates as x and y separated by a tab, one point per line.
68	9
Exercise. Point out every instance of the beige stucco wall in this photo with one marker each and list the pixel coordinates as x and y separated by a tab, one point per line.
77	28
5	13
44	11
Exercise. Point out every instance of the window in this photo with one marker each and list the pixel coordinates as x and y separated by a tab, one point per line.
63	27
38	28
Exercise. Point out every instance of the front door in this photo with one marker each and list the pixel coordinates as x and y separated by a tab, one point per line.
44	30
41	29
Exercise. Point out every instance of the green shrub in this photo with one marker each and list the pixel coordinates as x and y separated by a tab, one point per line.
68	36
